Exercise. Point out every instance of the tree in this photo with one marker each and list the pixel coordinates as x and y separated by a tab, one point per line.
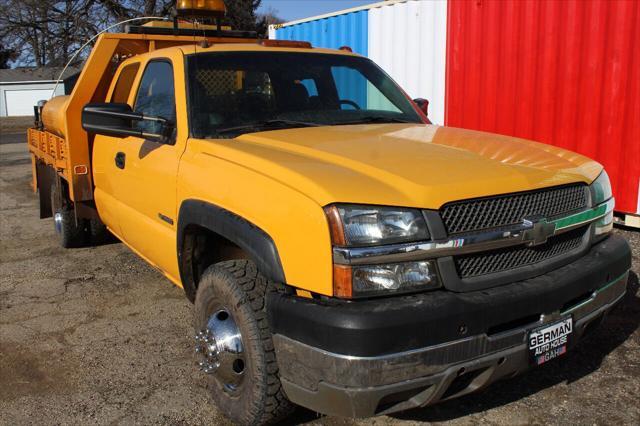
48	32
120	10
269	17
45	32
241	14
6	56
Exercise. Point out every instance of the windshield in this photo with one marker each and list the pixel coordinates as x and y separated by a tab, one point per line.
231	93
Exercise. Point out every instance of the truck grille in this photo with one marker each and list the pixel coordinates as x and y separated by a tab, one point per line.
494	261
483	213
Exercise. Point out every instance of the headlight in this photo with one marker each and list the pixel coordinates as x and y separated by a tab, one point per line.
400	277
353	225
601	192
601	189
374	280
358	226
604	225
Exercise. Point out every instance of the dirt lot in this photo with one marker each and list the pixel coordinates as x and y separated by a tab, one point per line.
12	125
96	336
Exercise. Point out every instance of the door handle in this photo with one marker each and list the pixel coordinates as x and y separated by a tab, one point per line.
120	160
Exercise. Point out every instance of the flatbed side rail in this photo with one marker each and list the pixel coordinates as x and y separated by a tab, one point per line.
48	148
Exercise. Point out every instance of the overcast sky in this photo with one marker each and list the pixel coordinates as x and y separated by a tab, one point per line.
290	10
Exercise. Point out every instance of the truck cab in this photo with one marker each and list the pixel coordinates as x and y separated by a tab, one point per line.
341	252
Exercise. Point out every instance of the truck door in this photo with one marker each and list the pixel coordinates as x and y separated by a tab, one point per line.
105	171
147	169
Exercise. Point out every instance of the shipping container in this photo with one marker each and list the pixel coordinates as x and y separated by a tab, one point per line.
565	73
386	32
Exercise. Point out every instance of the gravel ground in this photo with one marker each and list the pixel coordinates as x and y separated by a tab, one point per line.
12	129
96	336
15	124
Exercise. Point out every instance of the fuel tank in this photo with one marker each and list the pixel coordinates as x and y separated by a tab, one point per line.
53	115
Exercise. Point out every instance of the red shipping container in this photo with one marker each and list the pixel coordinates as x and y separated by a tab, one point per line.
566	73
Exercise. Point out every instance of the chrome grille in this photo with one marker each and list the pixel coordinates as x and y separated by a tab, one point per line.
483	213
491	262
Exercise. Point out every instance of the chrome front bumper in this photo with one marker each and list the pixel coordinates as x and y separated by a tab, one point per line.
353	386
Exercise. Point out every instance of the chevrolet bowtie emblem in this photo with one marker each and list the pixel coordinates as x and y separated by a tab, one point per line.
539	232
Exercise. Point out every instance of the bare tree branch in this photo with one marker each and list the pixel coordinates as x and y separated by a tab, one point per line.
47	32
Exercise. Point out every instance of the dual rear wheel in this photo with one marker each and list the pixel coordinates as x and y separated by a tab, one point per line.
74	232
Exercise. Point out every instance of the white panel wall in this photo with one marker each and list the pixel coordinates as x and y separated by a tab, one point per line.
21	102
18	98
409	40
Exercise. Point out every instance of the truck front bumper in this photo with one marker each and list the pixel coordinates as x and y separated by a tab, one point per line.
366	358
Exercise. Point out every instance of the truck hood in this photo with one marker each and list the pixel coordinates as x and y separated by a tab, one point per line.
406	164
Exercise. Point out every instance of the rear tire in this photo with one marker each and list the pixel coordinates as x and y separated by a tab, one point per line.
98	232
71	232
238	288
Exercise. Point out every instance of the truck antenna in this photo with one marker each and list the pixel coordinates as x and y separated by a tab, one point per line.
77	52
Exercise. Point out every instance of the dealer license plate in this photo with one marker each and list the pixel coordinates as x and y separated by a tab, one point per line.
550	341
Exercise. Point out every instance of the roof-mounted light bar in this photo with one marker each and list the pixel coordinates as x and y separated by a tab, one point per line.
286	43
191	32
192	8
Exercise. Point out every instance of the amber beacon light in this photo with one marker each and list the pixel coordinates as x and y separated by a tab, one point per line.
201	8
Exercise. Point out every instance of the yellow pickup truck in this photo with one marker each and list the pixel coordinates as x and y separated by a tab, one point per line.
342	253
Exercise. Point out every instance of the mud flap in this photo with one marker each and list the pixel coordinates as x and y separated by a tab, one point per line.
45	177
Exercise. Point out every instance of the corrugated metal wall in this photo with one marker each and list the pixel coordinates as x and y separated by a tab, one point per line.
565	73
408	40
351	30
561	72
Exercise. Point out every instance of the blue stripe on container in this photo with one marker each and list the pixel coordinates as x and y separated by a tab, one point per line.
351	29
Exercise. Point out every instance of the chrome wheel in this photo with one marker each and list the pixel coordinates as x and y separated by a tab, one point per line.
220	350
57	221
234	344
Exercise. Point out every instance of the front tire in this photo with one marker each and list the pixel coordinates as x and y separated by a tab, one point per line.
244	383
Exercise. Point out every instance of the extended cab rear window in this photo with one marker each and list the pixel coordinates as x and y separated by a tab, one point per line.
124	84
228	90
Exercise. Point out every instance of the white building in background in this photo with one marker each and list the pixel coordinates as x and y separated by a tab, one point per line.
22	88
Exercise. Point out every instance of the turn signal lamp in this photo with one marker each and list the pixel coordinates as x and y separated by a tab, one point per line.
201	8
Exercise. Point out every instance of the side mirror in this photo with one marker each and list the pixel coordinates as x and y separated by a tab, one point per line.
423	104
115	119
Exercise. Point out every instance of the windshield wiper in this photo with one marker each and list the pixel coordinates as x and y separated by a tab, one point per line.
376	119
267	124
